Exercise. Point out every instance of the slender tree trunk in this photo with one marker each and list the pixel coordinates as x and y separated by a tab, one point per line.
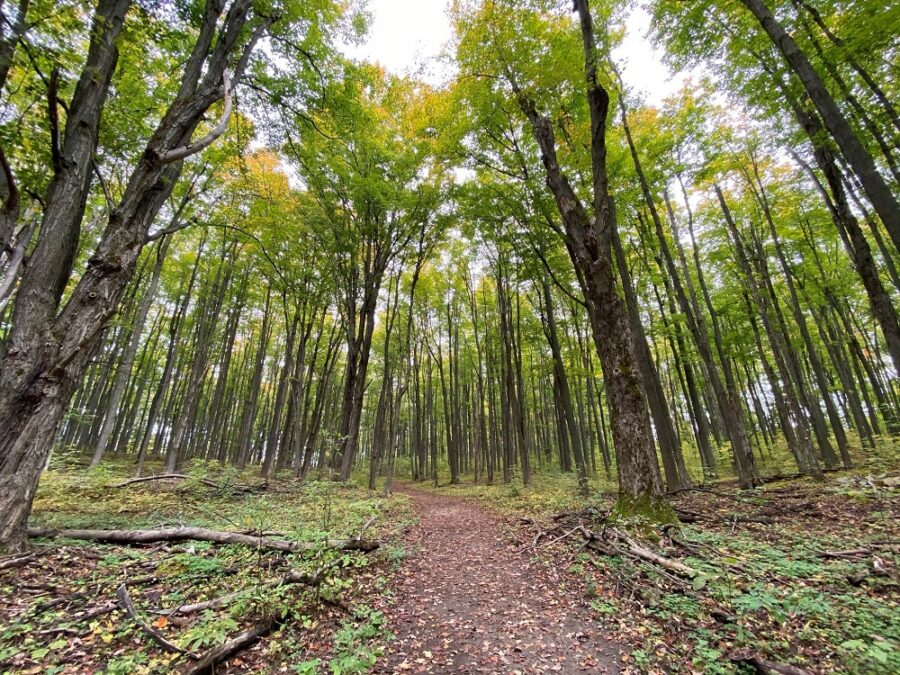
838	127
248	418
567	414
124	373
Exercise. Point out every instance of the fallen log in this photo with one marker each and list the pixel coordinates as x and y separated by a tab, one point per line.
126	604
201	534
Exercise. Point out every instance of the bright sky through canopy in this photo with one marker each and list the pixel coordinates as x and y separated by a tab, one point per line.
407	37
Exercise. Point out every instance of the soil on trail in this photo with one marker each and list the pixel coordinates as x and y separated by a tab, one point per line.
469	601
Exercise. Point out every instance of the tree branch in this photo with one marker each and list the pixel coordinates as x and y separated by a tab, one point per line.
53	116
194	147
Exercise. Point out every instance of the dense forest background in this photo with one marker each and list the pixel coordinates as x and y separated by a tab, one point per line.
225	243
367	272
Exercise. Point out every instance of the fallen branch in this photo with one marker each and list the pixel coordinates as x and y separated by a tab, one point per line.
165	476
686	516
293	577
215	656
765	666
852	553
100	610
368	524
634	549
17	561
565	535
126	604
637	550
201	534
215	603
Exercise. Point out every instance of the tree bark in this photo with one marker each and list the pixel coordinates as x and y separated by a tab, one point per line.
589	239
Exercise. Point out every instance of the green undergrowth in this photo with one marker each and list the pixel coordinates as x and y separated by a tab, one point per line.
547	492
765	590
44	606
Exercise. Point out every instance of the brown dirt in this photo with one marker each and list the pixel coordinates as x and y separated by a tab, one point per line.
469	601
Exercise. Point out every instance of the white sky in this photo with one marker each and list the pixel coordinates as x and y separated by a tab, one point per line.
408	36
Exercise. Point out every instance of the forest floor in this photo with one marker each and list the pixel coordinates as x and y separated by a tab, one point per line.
796	577
59	609
469	600
468	578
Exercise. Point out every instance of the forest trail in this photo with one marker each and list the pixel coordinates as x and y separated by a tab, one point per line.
468	601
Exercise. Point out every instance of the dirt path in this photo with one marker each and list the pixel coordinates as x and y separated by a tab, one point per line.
468	601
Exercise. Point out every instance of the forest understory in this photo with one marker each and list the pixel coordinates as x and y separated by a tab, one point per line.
797	576
573	346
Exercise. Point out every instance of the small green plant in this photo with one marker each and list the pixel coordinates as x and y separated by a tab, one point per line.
310	667
355	645
210	630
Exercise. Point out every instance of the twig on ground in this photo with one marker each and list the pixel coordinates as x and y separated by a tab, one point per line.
126	604
564	535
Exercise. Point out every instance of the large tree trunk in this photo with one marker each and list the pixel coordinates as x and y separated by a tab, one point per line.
589	239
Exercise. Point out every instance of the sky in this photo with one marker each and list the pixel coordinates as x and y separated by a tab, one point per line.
407	37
